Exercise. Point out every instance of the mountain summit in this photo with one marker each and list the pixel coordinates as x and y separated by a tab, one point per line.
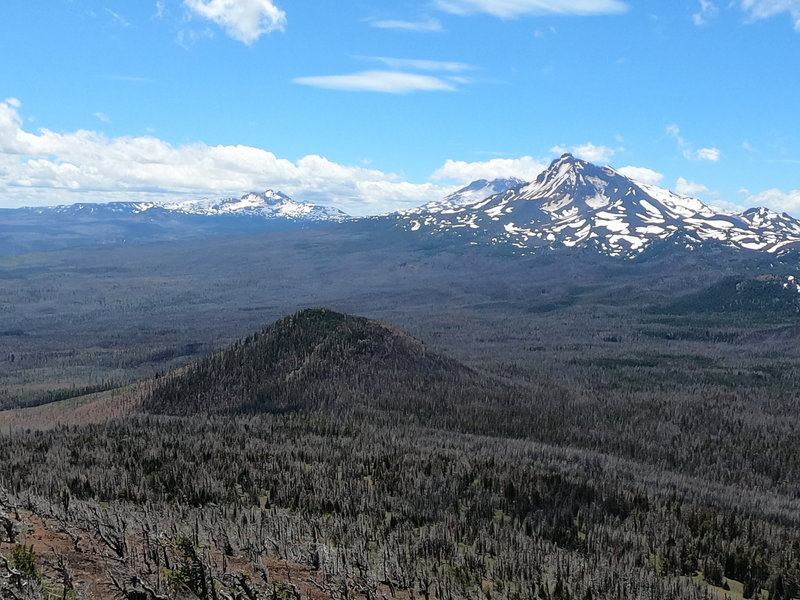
319	358
269	204
35	229
574	203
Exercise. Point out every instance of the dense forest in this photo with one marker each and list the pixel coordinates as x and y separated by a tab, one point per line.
552	429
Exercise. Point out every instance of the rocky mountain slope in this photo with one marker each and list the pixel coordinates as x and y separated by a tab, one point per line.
577	204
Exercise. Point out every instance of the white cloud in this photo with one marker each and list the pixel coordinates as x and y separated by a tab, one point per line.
118	18
642	174
102	117
391	82
749	147
689	188
764	9
525	168
428	25
588	151
712	154
708	11
777	200
687	148
516	8
423	65
244	20
47	167
161	9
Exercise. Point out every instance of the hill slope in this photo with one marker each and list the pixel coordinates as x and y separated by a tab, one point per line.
320	358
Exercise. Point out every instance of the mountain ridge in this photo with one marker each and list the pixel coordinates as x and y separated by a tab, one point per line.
574	203
267	204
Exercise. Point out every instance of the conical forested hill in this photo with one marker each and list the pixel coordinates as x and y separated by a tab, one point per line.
318	359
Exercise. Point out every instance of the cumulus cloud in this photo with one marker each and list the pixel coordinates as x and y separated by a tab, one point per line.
688	150
588	151
690	188
47	167
390	82
764	9
642	174
777	200
516	8
427	25
525	168
244	20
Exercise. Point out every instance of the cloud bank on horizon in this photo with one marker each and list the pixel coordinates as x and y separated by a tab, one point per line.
460	88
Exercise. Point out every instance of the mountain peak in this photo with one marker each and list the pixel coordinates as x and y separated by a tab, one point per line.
313	359
574	203
268	204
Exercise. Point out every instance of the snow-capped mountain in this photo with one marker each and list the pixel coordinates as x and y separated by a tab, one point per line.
57	227
577	204
269	204
480	189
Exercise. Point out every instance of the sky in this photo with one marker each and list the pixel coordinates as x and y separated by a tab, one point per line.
378	105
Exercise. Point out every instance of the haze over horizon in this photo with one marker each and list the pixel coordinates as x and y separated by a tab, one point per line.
372	107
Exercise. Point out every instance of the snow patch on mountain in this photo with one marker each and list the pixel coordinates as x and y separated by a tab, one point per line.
577	204
269	204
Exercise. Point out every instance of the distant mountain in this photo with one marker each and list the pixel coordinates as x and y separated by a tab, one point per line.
577	204
84	224
269	205
318	358
478	190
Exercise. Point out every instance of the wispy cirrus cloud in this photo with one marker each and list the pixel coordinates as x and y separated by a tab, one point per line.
118	18
708	10
764	9
423	65
688	149
518	8
388	82
243	20
425	25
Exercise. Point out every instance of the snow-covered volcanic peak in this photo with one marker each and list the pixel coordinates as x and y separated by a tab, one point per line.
470	194
575	203
267	204
480	189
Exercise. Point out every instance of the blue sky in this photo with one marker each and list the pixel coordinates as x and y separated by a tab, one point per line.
377	105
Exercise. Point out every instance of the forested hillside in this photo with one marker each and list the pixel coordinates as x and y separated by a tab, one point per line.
548	427
317	359
355	462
